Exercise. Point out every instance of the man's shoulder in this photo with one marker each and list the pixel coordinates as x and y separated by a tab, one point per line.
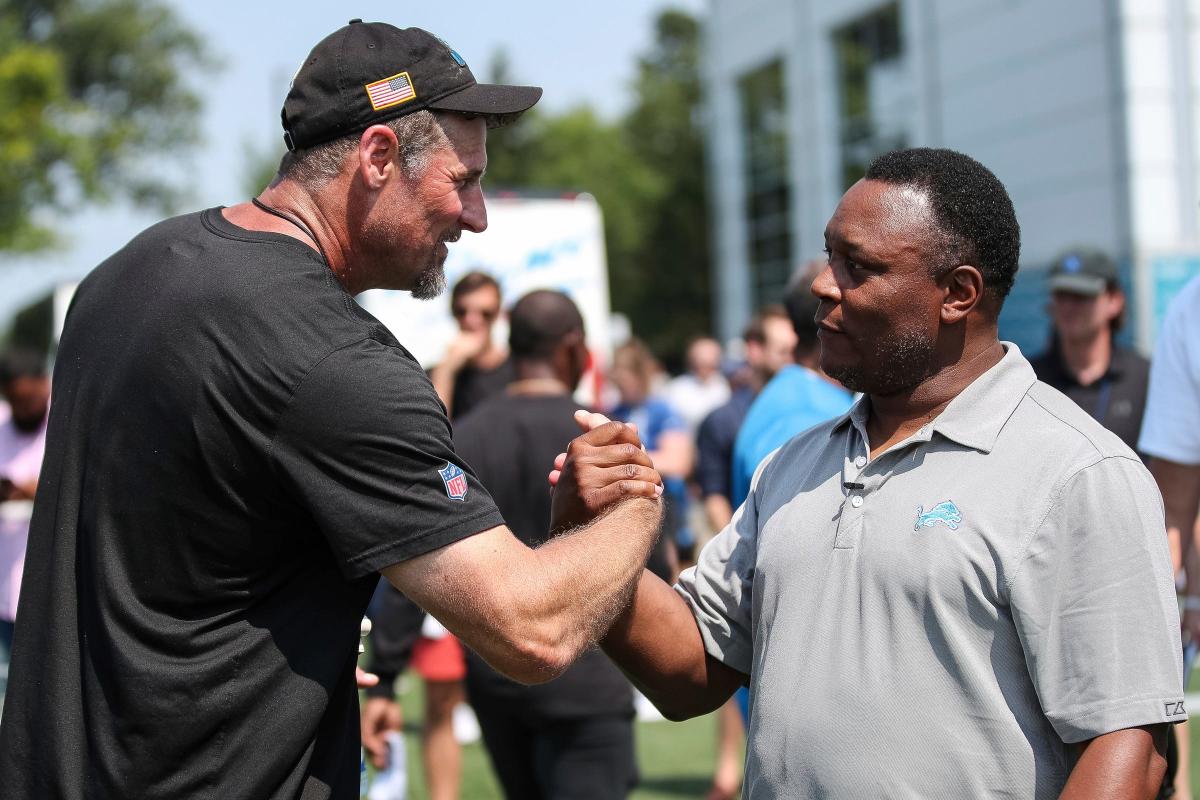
1049	422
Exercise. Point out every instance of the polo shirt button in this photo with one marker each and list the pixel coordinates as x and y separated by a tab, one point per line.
856	501
861	461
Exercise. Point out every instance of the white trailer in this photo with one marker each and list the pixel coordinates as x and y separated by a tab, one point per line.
530	243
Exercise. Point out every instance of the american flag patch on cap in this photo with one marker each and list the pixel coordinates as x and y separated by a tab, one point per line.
391	91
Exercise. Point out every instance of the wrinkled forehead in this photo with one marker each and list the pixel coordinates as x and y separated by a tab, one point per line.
879	216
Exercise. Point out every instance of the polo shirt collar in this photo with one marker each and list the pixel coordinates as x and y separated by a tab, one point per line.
977	415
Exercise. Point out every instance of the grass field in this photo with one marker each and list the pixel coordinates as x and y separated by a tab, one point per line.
675	759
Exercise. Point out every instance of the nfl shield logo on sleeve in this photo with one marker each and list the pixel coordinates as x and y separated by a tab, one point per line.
455	480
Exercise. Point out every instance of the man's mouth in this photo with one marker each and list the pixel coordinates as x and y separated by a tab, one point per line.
825	327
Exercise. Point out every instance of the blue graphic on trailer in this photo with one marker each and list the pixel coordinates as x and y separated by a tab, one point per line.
945	512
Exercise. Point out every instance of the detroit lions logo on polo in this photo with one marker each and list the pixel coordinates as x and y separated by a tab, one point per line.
944	512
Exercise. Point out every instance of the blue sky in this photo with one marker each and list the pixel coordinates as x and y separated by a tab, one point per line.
579	53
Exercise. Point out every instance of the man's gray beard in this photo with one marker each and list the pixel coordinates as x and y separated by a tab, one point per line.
906	360
431	282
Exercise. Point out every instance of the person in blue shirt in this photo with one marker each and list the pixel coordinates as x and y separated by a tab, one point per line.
665	436
797	398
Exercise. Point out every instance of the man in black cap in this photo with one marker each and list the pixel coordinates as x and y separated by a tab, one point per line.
237	451
1083	361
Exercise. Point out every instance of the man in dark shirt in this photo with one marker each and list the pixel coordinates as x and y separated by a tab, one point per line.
1084	362
474	367
237	450
571	737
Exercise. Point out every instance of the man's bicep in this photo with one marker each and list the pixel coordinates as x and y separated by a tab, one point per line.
1094	606
365	449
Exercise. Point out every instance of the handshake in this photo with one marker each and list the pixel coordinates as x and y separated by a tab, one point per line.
605	465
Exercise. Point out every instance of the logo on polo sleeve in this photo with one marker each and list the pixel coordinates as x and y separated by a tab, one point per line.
455	480
945	512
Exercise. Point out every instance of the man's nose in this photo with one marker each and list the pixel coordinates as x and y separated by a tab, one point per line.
474	213
824	287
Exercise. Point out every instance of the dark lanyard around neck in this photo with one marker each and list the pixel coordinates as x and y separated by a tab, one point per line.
286	217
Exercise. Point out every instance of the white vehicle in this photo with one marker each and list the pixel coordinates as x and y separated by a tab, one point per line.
531	242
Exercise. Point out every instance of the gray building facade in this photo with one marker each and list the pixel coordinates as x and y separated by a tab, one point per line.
1086	109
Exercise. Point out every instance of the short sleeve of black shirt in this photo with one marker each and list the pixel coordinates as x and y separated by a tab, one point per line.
366	446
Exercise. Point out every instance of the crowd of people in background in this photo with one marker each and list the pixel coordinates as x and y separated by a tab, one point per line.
706	429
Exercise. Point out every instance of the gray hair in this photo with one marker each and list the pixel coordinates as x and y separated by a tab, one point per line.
419	134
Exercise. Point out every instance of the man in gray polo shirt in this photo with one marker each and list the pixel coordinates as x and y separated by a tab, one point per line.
961	588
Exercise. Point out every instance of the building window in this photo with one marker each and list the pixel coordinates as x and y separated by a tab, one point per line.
870	72
768	195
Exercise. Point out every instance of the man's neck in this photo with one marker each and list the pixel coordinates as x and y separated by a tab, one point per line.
287	198
895	417
1087	359
537	378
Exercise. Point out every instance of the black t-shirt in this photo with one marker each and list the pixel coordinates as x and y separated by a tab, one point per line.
1117	401
511	442
234	449
473	385
714	445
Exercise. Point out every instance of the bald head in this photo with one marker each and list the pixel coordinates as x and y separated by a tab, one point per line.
540	322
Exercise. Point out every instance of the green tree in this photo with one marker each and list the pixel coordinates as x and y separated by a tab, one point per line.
665	286
647	172
95	96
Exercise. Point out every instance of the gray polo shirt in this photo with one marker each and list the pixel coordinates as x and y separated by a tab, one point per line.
942	621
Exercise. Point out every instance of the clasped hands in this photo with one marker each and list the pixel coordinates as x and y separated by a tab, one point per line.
603	466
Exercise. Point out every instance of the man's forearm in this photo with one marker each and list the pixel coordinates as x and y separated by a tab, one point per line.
589	574
656	643
530	613
1124	764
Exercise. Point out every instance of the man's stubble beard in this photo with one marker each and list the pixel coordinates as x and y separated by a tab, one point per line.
906	359
431	281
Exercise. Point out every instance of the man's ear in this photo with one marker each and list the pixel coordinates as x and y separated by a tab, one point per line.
962	289
377	156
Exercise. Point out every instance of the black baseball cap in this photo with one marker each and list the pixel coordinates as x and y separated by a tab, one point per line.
371	72
1082	270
